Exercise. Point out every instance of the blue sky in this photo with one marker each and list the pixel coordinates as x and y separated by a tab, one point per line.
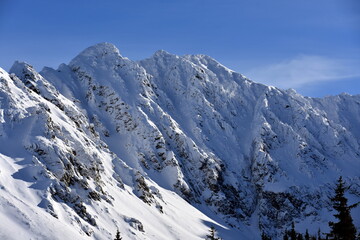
311	46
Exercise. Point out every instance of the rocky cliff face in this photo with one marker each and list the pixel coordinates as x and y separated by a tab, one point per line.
256	156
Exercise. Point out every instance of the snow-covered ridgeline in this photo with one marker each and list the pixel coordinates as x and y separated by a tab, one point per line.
105	129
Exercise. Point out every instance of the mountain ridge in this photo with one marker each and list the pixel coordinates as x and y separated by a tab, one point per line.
187	125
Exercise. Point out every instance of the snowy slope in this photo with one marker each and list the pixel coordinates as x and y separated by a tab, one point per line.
165	147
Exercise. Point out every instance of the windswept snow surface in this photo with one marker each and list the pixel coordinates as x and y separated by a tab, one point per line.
166	147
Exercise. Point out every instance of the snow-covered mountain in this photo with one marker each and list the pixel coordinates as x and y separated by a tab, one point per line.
164	148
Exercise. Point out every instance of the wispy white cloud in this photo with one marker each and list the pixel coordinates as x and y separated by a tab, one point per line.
303	70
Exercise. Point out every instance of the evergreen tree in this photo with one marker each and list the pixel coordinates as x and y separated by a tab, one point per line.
117	236
212	234
265	237
344	228
292	232
319	235
307	236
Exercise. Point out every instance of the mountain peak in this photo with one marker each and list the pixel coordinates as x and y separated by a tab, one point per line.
101	50
23	70
20	65
162	53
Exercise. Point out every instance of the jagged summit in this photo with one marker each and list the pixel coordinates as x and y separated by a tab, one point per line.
100	49
21	68
98	52
162	53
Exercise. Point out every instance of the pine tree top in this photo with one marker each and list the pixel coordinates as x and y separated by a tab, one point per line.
117	236
212	234
344	227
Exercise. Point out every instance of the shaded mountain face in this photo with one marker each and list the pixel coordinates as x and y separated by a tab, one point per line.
104	130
